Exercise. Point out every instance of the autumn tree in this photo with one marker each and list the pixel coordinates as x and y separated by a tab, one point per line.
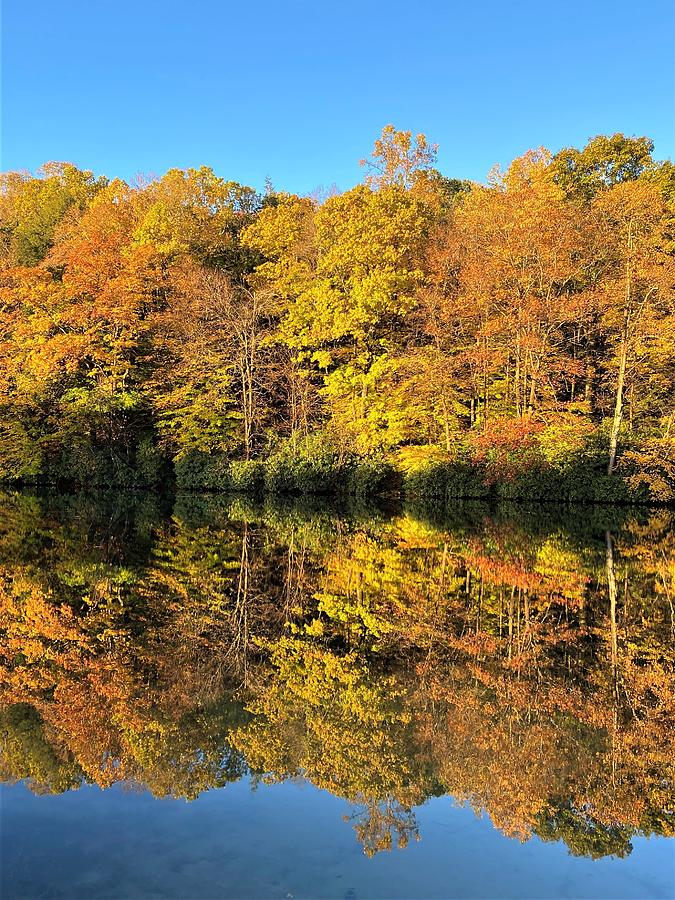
604	161
506	293
458	338
209	392
31	209
398	159
635	293
193	212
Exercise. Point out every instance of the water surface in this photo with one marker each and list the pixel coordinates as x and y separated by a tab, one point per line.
209	697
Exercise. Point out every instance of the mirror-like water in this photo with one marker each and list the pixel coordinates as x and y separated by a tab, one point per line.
213	698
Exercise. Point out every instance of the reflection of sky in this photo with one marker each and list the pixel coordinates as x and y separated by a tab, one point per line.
287	841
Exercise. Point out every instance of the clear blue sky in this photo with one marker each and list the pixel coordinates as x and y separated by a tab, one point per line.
299	89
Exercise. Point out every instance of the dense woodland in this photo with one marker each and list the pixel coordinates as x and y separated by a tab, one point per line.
524	664
513	338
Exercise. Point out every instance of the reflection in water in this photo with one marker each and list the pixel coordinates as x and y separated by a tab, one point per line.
519	660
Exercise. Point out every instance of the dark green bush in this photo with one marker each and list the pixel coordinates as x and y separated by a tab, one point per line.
202	471
150	465
447	481
309	466
370	478
247	476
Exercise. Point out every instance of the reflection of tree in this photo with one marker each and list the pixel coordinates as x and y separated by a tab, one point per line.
239	649
27	753
378	824
524	665
583	835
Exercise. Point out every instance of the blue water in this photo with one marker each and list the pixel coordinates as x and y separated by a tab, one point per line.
288	841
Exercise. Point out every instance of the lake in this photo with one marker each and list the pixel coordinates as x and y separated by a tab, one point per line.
213	696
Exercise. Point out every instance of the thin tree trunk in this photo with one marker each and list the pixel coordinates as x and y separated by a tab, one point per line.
611	585
618	405
623	355
446	423
516	377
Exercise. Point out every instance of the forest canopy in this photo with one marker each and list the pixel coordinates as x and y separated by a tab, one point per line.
452	338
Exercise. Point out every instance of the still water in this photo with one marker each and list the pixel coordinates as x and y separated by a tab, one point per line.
209	697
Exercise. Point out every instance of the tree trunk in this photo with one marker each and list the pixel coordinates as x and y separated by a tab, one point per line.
446	423
516	377
618	405
623	355
611	585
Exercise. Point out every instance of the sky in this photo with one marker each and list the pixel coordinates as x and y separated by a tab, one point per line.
298	90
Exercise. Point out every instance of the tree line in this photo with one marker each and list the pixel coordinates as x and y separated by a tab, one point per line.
511	337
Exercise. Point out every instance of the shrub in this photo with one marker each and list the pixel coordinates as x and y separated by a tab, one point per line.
196	470
447	481
506	448
309	466
247	476
370	477
149	462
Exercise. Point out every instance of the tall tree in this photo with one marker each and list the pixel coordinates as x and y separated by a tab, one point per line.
209	390
398	159
602	163
636	291
31	209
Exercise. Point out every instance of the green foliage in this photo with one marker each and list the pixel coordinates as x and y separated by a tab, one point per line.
196	470
604	161
579	479
31	209
20	453
247	476
26	752
311	465
150	464
370	478
582	835
315	466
